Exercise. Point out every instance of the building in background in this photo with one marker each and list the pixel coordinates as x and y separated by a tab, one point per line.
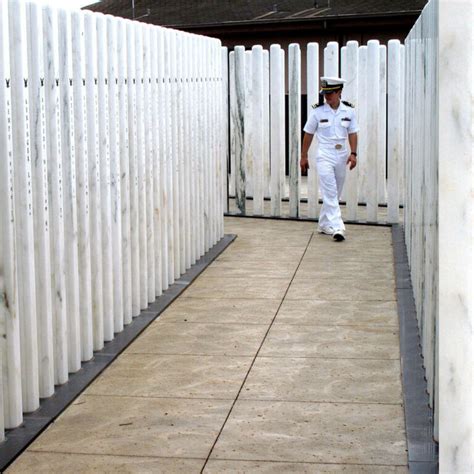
249	22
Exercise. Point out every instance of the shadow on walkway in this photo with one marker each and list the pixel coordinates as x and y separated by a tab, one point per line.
283	356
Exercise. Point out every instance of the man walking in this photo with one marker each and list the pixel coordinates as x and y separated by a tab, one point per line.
335	123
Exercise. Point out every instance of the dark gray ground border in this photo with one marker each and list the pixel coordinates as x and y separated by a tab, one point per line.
422	449
18	439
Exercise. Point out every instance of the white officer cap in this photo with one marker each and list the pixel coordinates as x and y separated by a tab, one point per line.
331	84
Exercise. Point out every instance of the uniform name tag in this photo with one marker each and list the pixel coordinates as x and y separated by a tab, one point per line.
346	119
323	120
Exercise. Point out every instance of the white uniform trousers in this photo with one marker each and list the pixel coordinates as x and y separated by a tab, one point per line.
331	165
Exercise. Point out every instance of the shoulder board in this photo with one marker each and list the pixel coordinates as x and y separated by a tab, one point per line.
347	103
314	106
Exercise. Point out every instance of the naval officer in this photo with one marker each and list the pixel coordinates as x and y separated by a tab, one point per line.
335	124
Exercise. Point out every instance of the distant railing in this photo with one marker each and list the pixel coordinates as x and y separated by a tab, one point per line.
112	140
258	125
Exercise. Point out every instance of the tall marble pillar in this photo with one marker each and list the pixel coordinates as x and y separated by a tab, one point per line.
24	227
239	127
312	85
456	217
393	138
256	149
277	126
373	86
9	324
294	124
349	73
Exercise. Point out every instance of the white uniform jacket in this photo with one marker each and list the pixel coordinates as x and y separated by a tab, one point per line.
332	127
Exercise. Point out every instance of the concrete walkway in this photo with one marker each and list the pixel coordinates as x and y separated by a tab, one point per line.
282	357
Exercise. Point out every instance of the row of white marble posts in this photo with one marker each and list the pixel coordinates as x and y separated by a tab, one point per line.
438	136
365	70
112	180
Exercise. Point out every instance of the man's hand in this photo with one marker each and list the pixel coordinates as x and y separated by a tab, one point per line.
352	162
304	164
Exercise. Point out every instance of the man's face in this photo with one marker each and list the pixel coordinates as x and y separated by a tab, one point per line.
332	98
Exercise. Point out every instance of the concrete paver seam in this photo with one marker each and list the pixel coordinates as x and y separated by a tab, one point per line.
258	350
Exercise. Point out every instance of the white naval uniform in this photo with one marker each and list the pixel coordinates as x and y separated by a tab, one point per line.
332	128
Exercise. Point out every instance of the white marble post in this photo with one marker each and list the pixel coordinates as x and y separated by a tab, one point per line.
90	37
350	91
163	186
148	161
197	64
393	138
208	141
124	156
69	194
82	186
232	107
105	192
373	85
186	153
401	167
115	179
312	89
175	157
277	126
256	148
239	125
382	124
294	119
141	166
39	170
214	143
55	196
362	116
266	122
227	150
25	266
331	59
249	178
456	261
133	169
157	146
12	405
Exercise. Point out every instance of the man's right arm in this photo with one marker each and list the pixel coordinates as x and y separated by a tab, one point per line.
304	163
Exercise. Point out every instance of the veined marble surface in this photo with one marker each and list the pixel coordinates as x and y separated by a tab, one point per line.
456	217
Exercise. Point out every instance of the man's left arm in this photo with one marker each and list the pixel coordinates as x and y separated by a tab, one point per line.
352	159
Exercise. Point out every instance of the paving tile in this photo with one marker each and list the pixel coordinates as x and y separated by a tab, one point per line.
131	426
60	463
314	432
339	255
324	380
355	313
273	240
250	269
215	466
347	270
215	310
342	290
342	342
286	254
199	339
238	287
150	375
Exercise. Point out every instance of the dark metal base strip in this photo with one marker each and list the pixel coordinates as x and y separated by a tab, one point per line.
18	439
303	219
422	449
